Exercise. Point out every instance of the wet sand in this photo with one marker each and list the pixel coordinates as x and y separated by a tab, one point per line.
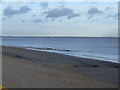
24	68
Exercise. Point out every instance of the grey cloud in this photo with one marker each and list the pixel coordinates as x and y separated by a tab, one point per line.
44	4
52	19
117	15
107	8
37	20
95	20
73	15
23	21
113	16
109	16
90	16
60	20
8	11
93	11
54	13
34	15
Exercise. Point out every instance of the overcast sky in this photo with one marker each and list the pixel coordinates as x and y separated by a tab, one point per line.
88	19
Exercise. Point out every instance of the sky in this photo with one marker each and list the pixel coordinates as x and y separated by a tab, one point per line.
72	19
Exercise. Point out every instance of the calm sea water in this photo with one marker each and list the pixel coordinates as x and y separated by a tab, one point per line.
95	48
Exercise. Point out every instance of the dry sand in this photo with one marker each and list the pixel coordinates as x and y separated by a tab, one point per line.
34	69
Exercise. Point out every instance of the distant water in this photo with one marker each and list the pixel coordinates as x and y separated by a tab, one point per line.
95	48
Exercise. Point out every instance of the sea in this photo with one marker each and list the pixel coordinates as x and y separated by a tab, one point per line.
100	48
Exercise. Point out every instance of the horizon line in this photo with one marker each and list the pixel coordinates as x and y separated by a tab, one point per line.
56	36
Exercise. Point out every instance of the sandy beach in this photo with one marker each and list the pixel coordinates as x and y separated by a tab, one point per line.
24	68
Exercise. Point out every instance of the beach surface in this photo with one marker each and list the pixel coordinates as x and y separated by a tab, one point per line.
24	68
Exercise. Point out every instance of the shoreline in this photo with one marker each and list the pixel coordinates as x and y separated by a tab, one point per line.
66	50
52	50
55	70
55	53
